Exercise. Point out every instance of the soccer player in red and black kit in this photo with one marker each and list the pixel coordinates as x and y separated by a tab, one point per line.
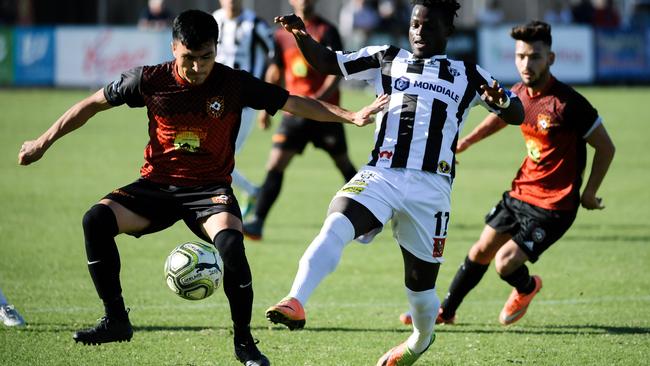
194	107
295	132
545	194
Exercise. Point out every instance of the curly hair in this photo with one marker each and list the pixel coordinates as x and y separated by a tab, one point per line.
533	31
447	7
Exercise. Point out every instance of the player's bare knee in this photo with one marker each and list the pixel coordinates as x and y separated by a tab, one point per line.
480	253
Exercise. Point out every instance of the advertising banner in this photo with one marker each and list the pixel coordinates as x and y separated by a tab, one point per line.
6	57
91	56
573	47
622	56
34	55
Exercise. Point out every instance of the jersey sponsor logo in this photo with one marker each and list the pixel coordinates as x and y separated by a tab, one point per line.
534	150
385	155
437	88
402	83
222	199
299	68
215	107
187	141
438	247
444	167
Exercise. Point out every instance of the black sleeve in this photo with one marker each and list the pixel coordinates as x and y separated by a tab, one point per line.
332	39
581	113
126	89
258	94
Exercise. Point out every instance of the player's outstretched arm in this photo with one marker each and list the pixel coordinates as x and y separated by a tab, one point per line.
490	125
319	57
603	156
512	111
72	119
325	112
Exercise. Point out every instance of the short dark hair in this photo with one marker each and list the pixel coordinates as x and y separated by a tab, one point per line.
194	28
533	31
447	7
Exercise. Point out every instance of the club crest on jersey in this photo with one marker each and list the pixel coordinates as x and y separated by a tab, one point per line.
214	107
455	73
544	122
538	235
444	167
222	199
438	247
402	83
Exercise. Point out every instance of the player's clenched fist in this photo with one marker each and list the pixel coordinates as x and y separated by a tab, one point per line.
30	152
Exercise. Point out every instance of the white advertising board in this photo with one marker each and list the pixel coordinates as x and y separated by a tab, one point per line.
92	56
573	47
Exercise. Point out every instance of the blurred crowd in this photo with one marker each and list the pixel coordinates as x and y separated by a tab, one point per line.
358	19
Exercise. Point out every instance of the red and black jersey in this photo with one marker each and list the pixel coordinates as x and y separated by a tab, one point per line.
300	78
555	127
192	128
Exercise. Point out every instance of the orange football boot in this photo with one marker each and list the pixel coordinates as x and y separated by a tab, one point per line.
517	304
289	312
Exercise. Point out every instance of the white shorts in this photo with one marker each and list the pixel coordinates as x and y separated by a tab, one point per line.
247	122
418	203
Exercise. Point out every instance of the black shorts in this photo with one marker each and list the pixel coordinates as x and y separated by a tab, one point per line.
164	205
295	132
533	228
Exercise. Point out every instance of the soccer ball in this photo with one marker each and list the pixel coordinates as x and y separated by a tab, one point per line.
193	270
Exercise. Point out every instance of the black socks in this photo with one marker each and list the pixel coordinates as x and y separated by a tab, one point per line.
467	277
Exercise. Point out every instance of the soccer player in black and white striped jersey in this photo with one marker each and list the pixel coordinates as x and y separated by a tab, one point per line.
409	175
245	43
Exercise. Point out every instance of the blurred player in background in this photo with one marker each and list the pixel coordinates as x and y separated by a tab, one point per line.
409	176
245	43
290	67
545	195
194	106
8	313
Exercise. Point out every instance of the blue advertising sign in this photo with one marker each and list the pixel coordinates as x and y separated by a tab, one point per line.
621	56
34	56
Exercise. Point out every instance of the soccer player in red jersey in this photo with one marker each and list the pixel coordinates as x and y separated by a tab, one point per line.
293	135
545	195
194	107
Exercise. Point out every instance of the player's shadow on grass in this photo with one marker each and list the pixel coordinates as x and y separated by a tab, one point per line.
469	328
589	329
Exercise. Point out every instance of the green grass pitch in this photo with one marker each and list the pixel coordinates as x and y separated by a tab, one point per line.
593	310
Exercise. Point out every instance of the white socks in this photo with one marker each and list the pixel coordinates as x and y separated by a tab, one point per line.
424	309
322	256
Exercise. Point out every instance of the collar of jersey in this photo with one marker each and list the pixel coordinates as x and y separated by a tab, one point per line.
432	58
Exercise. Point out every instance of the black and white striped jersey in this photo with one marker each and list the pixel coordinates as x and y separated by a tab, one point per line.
245	43
430	100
